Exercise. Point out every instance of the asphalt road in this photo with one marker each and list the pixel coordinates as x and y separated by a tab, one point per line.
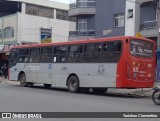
14	98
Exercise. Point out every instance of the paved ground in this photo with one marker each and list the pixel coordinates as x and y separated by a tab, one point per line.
14	98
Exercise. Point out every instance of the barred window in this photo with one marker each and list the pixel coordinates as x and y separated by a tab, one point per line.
8	32
0	33
62	14
39	11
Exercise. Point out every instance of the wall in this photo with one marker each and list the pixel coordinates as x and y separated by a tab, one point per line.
104	18
9	21
130	22
29	28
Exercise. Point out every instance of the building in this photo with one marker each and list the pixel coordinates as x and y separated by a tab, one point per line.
108	18
141	16
33	21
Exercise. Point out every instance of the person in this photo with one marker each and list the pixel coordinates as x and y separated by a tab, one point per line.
134	51
4	71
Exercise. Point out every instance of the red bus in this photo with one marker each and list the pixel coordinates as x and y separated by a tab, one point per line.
119	62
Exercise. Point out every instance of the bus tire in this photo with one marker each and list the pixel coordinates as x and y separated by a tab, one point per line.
47	86
99	90
73	84
22	80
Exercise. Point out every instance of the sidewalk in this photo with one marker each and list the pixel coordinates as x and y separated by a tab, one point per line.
142	92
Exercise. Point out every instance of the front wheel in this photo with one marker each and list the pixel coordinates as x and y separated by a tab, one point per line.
73	84
22	80
156	97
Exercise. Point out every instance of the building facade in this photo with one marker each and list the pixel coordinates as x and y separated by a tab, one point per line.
108	18
24	21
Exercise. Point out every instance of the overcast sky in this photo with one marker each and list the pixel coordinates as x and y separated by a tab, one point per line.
62	1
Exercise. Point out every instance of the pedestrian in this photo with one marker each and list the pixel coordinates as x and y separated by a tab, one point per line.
4	71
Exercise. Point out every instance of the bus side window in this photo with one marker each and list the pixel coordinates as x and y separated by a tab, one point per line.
60	54
23	55
46	54
74	53
14	56
111	51
34	55
92	52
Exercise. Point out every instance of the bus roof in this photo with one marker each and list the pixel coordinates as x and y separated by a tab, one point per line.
82	41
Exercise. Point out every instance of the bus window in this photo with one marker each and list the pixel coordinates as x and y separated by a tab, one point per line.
60	54
13	56
92	52
74	53
141	48
111	51
34	55
23	55
46	54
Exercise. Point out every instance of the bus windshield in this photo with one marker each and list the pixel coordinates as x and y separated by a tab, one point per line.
141	48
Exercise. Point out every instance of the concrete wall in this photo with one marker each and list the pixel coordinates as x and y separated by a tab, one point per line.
9	21
104	18
29	28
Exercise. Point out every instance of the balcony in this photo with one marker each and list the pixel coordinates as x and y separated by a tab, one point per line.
149	25
81	34
149	28
82	8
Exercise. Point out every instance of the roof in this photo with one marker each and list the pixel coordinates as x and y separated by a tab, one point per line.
46	3
82	41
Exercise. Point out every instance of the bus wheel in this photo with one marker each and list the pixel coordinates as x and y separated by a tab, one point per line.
47	85
99	90
73	84
22	80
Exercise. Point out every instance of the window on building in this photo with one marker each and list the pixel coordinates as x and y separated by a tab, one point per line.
118	20
82	24
0	33
62	14
130	13
8	32
39	11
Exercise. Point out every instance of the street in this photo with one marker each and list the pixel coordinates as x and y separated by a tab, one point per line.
38	99
14	98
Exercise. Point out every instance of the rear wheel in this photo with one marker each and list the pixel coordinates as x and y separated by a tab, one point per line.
22	80
156	97
47	85
99	90
73	84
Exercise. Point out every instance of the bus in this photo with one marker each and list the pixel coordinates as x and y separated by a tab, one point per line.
97	64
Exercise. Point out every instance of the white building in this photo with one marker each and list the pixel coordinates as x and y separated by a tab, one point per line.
22	20
141	17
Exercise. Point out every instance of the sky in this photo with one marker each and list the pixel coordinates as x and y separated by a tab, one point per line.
62	1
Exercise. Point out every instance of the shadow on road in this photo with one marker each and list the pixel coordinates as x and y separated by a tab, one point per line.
108	93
